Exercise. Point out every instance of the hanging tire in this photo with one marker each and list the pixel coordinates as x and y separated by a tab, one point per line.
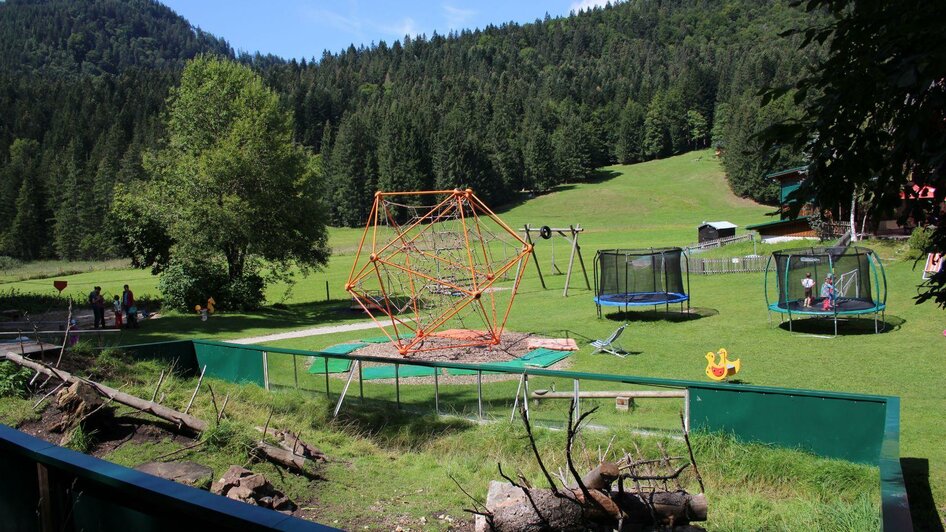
545	232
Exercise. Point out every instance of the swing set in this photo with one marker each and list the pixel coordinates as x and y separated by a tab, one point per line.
571	235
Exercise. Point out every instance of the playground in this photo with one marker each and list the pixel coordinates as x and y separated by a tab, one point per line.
725	311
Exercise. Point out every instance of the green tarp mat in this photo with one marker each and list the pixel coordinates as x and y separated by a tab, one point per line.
387	372
335	365
231	363
540	358
384	339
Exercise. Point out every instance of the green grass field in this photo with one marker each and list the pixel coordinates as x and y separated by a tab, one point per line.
652	204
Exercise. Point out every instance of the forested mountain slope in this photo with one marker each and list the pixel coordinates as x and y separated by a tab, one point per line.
502	109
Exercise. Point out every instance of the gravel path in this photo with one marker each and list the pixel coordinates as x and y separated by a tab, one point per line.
314	331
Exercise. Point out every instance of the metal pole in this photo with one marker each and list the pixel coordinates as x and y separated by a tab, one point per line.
361	384
577	398
437	391
515	403
265	371
326	376
338	406
479	393
397	386
525	393
295	372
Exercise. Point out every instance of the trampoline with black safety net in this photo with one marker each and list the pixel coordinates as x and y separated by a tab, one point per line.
641	277
844	281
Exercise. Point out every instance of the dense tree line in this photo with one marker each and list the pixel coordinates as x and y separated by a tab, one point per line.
503	109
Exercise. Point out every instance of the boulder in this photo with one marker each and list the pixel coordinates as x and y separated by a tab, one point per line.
190	473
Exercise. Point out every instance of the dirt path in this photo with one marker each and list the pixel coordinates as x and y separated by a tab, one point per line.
315	331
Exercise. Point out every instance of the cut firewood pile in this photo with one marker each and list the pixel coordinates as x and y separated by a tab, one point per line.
631	492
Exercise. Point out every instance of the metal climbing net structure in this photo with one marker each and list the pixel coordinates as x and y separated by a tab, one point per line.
437	270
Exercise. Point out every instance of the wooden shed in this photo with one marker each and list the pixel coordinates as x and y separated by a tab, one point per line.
784	230
715	230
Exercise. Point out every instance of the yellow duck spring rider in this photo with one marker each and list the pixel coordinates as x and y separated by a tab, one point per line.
724	369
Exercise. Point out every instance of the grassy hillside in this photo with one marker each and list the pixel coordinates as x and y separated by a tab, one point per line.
651	204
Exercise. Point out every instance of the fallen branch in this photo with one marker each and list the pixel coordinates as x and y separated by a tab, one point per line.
178	418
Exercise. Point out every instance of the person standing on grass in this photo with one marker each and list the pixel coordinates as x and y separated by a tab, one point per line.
117	307
131	311
98	308
808	283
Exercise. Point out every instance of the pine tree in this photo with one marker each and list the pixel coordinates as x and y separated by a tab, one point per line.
26	238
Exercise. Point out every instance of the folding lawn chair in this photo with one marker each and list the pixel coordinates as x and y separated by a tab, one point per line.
610	344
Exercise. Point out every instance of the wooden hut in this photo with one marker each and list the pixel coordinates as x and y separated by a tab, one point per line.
715	230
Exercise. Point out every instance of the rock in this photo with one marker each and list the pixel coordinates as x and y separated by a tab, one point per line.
190	473
253	482
241	493
234	474
252	488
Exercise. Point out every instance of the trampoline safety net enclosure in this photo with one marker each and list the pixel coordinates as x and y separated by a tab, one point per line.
641	277
858	282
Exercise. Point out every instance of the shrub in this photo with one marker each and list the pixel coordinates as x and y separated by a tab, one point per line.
920	241
8	263
187	284
13	380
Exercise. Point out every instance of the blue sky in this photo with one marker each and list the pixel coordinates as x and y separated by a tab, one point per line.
304	28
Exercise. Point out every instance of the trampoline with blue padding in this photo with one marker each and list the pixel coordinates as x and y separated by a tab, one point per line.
641	278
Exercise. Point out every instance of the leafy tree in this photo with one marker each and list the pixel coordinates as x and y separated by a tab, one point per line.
230	184
874	111
657	140
697	126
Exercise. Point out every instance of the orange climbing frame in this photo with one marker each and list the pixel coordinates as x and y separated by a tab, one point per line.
403	255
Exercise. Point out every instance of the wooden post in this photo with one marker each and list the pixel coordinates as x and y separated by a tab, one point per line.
327	296
571	258
581	261
47	517
201	379
535	259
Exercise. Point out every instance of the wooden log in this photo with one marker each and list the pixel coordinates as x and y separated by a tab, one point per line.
283	457
511	509
289	441
601	477
642	394
155	409
671	508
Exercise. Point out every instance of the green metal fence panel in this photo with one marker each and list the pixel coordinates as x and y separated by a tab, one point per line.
179	352
856	427
837	428
231	362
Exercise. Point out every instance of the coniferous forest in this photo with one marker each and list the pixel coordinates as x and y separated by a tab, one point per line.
84	86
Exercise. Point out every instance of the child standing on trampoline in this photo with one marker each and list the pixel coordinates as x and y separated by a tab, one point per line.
808	283
828	292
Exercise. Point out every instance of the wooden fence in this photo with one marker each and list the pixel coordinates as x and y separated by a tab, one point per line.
746	264
719	242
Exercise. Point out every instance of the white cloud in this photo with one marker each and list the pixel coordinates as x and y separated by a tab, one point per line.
457	18
584	5
338	21
405	26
